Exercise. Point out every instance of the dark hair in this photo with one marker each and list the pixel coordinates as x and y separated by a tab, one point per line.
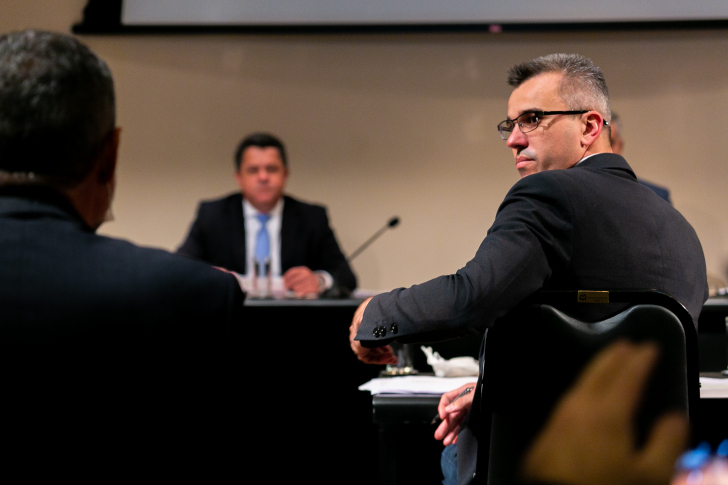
583	85
57	100
260	140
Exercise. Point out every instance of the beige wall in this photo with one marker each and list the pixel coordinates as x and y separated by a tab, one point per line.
382	125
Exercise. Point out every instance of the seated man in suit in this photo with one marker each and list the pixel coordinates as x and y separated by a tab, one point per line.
113	356
261	224
569	223
617	141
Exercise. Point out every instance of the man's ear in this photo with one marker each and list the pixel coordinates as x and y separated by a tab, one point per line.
593	124
108	155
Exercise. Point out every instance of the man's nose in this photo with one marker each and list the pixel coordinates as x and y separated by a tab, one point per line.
516	138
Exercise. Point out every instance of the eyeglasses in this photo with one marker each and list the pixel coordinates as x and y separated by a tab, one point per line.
529	121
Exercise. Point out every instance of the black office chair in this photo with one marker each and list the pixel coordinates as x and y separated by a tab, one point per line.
535	353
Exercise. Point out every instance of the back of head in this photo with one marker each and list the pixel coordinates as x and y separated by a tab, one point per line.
58	108
260	140
582	87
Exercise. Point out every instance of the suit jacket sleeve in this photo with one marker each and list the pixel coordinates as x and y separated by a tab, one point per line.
532	229
308	240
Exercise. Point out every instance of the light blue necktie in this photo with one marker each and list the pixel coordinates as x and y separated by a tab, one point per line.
262	245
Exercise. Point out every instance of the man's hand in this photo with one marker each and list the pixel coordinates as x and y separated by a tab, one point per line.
452	410
301	281
377	355
589	438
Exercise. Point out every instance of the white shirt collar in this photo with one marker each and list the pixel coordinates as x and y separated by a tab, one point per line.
588	156
250	211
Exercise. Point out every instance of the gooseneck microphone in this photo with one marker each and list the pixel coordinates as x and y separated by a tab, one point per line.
389	225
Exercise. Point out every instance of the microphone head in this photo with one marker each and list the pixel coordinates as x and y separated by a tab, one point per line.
393	221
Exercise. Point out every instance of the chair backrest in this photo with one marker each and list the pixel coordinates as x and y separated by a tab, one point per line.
536	352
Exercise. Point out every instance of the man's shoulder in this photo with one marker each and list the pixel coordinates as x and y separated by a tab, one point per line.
597	165
300	208
154	263
294	202
224	201
598	177
212	210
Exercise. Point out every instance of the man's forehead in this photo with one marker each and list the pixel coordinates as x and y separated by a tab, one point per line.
256	154
540	92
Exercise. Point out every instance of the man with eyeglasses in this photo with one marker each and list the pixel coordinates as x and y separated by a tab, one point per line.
577	219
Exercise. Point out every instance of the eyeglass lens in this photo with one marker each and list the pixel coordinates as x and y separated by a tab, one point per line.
526	122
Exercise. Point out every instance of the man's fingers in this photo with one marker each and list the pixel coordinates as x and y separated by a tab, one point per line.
301	280
619	372
448	431
377	355
452	436
290	276
445	401
442	430
462	404
356	320
600	371
359	313
355	346
385	355
666	442
631	376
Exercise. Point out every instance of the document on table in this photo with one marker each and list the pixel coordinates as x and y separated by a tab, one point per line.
709	387
415	384
713	388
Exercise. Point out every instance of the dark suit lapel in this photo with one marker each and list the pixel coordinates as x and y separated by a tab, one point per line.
290	222
237	231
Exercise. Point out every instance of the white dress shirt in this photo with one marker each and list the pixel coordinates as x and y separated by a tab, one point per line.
252	226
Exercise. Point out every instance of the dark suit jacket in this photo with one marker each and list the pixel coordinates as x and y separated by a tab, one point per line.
113	356
589	227
217	236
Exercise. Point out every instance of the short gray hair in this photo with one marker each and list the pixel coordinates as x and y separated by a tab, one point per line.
583	85
58	107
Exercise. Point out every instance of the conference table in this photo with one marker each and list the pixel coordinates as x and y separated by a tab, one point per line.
303	383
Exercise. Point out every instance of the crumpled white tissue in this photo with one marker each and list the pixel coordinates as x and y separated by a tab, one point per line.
455	367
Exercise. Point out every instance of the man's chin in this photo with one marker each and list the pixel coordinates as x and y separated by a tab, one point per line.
526	167
267	201
526	171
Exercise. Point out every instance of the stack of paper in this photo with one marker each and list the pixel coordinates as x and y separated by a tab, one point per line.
415	384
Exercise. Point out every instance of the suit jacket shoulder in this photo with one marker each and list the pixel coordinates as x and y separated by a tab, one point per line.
59	252
217	235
